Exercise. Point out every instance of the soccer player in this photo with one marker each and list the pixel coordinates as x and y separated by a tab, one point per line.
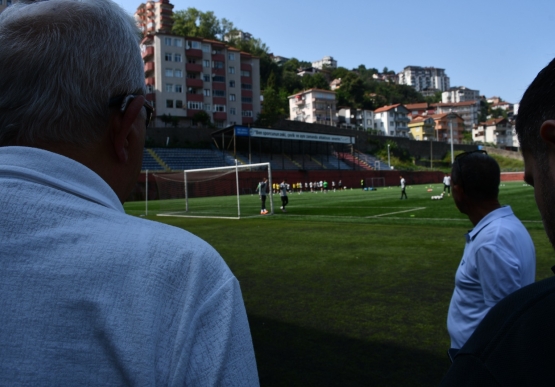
283	194
91	296
333	185
447	184
262	191
403	188
325	186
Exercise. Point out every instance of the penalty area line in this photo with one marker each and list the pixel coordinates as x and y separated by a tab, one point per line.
396	212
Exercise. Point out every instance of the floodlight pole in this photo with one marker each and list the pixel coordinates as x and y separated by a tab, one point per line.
146	194
451	130
388	158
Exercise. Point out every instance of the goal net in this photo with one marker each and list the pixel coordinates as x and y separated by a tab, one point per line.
223	192
375	182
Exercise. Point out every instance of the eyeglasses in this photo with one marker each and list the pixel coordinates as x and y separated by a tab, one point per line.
124	100
461	156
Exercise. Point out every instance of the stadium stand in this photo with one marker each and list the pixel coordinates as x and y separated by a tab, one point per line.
150	163
178	159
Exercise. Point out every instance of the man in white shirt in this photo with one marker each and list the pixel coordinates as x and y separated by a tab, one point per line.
447	184
403	188
90	295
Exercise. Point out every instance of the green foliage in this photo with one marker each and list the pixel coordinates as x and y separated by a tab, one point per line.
169	119
316	81
498	112
202	118
467	137
484	111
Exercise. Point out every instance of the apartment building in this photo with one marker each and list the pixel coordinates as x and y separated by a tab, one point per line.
357	119
4	4
447	122
392	120
314	106
500	132
189	75
468	110
459	94
422	128
424	78
419	109
325	62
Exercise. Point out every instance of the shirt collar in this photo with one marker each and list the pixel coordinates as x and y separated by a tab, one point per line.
494	215
57	171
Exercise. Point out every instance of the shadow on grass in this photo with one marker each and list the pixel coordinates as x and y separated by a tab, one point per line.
289	355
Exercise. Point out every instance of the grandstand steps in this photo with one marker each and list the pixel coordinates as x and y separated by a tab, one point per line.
293	161
354	161
158	159
317	162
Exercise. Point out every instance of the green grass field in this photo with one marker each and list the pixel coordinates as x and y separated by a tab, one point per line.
350	288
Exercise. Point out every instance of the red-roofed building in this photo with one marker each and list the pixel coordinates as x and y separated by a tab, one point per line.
468	110
498	131
444	123
392	120
422	128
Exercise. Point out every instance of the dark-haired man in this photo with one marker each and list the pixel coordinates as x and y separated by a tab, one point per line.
499	255
514	344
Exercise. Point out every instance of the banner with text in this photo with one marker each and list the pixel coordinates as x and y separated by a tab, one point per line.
304	136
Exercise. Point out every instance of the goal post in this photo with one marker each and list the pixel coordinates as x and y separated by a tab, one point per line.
375	182
221	192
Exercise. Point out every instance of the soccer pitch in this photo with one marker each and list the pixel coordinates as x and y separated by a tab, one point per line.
351	288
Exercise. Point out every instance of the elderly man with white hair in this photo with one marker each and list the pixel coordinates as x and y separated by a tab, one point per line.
90	295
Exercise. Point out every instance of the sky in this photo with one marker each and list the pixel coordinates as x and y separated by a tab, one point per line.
494	46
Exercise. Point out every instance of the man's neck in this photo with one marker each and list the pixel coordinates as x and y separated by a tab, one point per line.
480	210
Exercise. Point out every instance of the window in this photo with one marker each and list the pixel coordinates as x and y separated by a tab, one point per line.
191	60
206	63
247	113
178	89
207	107
246	86
245	73
168	57
218	78
149	88
232	111
231	70
169	103
178	43
231	56
178	73
232	97
193	44
205	47
207	92
191	75
206	77
169	73
218	93
168	41
217	64
246	99
177	57
219	108
194	105
179	104
231	83
169	87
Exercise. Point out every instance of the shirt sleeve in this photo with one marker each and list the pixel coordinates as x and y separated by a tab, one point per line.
499	273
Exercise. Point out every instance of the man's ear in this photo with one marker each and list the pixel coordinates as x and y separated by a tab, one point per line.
122	127
547	132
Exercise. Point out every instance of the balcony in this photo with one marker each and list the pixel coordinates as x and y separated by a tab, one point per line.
193	67
147	52
218	57
246	93
220	116
247	80
246	106
195	97
149	81
149	67
218	86
219	100
193	53
247	120
246	67
194	82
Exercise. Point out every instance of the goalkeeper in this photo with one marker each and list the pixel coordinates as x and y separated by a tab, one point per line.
261	189
283	194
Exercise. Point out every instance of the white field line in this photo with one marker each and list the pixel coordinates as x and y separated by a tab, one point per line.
397	212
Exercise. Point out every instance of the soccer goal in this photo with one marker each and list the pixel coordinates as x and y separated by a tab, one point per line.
375	182
222	192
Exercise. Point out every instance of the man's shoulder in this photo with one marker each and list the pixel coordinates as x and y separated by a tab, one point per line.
514	343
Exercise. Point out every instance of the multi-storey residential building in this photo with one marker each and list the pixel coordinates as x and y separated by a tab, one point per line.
154	16
4	4
327	62
419	109
459	94
447	122
356	119
385	77
498	131
392	120
422	128
315	106
468	110
188	75
422	78
237	35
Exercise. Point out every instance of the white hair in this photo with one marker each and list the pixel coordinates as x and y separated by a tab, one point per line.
60	63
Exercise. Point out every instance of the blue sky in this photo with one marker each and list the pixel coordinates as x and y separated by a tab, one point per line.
494	46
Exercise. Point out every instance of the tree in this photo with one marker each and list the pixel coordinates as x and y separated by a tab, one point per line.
185	23
202	118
